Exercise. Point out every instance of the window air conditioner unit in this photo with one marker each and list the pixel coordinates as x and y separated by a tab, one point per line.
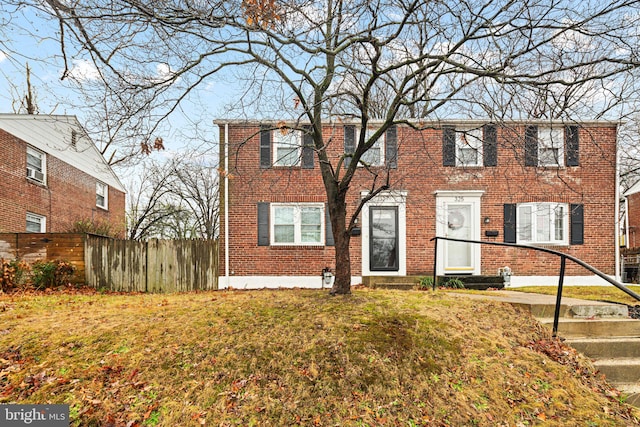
34	174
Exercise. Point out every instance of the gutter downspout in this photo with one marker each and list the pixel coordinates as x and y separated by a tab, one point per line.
617	211
226	205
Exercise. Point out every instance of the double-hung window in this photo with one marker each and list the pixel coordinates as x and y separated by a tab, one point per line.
287	145
374	156
469	147
543	223
36	165
102	195
382	152
297	224
550	146
36	223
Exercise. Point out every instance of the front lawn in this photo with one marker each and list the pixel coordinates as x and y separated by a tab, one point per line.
295	357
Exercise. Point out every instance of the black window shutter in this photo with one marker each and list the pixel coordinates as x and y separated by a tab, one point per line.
349	143
448	146
531	146
510	223
490	145
328	229
577	224
572	145
392	147
263	224
307	149
265	147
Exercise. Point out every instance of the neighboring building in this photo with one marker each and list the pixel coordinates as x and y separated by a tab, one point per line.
630	246
53	176
536	182
632	216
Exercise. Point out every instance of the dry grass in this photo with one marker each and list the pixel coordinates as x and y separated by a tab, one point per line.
276	358
597	293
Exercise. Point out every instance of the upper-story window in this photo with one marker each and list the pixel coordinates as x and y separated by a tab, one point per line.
383	152
374	156
466	146
287	145
552	146
102	195
284	147
36	223
36	165
469	147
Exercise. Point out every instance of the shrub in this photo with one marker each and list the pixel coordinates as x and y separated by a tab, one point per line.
47	274
425	282
453	283
14	274
102	228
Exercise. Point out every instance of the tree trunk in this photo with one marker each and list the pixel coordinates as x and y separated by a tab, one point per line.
342	239
342	282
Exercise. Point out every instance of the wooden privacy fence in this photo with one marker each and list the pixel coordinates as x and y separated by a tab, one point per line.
153	266
32	247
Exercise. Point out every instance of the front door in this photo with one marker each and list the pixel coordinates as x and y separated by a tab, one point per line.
384	230
458	218
383	240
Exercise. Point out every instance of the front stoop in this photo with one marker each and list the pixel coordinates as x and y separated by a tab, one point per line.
609	337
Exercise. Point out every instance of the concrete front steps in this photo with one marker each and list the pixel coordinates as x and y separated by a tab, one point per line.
606	334
412	282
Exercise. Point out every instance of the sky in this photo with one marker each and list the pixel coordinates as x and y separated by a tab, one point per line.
32	39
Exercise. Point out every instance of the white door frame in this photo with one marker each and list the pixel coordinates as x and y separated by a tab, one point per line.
468	197
388	198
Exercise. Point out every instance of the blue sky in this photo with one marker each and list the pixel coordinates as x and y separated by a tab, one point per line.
28	38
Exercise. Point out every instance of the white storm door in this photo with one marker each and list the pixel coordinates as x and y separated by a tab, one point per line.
459	218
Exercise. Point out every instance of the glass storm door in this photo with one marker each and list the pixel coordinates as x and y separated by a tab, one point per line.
383	232
459	225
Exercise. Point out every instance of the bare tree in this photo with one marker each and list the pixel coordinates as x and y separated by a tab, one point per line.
400	61
196	185
147	208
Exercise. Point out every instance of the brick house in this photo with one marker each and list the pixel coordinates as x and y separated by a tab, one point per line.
541	183
53	175
632	216
630	246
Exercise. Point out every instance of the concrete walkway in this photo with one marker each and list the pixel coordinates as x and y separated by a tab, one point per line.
543	306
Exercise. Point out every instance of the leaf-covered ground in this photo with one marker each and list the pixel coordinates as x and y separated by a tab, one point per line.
295	357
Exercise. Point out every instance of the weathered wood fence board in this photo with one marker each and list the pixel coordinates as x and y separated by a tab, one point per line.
153	266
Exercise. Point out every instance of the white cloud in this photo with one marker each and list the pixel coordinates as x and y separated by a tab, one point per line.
84	70
3	56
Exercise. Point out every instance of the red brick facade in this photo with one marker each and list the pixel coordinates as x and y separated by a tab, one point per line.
421	175
633	219
67	196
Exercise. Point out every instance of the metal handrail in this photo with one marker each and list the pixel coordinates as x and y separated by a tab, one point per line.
563	259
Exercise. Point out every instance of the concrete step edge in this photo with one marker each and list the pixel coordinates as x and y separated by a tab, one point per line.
627	388
619	339
549	320
618	361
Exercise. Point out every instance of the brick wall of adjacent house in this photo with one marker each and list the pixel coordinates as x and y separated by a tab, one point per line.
633	218
68	196
420	173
